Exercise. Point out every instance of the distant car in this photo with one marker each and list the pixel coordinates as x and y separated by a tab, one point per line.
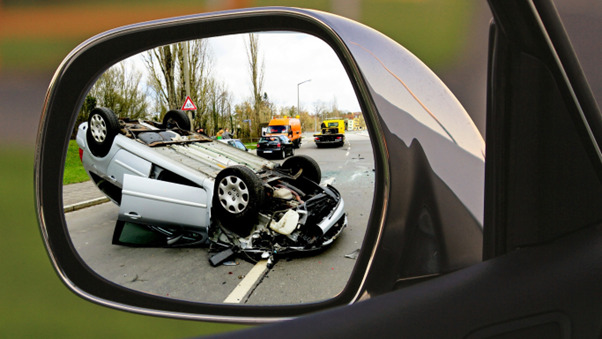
235	143
277	146
193	189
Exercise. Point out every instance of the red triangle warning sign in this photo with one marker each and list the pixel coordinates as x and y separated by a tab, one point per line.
188	105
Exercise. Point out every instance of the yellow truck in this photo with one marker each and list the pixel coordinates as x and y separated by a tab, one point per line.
332	133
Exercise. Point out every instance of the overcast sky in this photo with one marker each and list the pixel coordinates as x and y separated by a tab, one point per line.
289	59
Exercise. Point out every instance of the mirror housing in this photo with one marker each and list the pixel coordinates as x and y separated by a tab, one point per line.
427	211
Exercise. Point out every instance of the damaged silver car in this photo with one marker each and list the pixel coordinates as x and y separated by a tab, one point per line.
189	189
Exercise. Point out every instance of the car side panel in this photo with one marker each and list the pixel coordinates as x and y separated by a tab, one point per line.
161	203
125	163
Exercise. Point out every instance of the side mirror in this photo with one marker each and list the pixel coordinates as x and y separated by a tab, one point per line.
419	194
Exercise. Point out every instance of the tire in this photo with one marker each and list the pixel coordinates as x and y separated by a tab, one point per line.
292	151
103	126
237	197
283	155
311	169
176	118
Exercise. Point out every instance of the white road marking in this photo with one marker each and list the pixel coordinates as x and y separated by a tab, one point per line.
240	291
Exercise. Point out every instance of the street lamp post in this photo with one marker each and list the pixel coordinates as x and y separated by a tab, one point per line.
299	84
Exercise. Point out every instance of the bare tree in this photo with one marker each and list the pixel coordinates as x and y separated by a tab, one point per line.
218	107
256	70
199	63
243	113
161	65
166	66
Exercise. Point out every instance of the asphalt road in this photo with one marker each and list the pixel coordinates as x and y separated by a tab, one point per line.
185	273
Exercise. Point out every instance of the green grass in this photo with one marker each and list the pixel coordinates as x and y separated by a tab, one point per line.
34	303
74	170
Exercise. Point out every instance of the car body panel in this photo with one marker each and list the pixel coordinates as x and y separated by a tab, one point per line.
197	162
125	163
145	201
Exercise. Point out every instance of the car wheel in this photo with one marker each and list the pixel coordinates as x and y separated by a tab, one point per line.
292	151
103	126
237	197
283	155
310	168
176	118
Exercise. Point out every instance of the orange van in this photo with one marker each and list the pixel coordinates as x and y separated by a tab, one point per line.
290	127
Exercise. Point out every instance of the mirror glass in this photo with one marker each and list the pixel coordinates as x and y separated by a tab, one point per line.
233	169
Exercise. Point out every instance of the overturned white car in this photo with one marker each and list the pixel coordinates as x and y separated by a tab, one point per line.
191	189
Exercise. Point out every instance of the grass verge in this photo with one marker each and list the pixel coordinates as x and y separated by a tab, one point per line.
74	170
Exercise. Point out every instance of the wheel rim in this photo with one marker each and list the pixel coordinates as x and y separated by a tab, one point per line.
98	128
233	194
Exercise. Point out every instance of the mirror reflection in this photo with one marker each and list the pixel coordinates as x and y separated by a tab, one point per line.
232	169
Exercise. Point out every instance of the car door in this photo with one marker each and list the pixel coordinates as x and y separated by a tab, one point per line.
162	203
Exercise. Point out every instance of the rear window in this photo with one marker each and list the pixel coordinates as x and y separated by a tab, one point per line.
266	139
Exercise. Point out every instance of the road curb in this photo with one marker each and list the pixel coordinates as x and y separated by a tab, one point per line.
84	204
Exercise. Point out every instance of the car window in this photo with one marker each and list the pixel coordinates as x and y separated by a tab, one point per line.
239	145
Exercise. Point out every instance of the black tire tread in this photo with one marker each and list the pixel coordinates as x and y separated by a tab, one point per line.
180	117
112	122
311	169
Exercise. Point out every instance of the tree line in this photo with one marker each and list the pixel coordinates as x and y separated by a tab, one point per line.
170	73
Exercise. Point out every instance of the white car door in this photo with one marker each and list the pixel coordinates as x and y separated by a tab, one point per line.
161	203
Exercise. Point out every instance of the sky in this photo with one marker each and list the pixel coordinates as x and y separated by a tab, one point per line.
289	59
